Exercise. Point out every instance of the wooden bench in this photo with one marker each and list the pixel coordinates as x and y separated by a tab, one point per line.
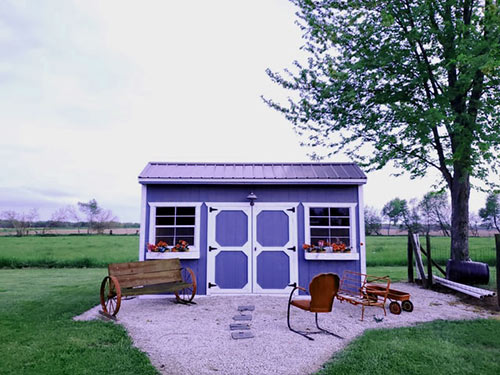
365	290
148	277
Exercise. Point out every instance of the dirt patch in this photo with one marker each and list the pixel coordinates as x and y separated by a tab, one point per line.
196	339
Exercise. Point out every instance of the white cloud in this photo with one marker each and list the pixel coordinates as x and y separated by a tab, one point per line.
90	91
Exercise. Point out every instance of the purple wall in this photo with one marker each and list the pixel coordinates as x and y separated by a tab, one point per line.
265	193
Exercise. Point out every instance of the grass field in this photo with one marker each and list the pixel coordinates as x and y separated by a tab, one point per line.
38	336
98	251
67	251
391	251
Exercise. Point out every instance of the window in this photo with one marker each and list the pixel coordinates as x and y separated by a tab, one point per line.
333	223
172	222
330	224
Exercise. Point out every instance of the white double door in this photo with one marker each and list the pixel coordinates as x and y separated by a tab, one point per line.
251	249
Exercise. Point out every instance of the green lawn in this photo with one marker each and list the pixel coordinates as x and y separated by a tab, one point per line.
37	335
391	250
67	251
440	347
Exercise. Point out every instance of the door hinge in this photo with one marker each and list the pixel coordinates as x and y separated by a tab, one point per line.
293	285
210	285
210	209
210	248
293	248
291	209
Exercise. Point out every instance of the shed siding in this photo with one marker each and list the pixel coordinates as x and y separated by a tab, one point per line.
265	193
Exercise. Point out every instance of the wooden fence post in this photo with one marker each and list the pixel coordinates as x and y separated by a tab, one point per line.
497	241
429	260
410	259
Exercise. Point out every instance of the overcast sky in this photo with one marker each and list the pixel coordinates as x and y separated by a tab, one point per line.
90	91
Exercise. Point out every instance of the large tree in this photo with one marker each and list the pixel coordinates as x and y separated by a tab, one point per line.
415	83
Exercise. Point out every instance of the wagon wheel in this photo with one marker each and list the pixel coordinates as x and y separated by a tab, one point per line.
187	294
394	308
407	306
111	295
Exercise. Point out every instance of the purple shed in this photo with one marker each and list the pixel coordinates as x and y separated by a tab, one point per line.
246	223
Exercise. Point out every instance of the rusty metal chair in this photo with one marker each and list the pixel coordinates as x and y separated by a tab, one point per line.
322	291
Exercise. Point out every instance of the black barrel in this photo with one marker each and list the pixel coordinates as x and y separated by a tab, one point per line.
467	272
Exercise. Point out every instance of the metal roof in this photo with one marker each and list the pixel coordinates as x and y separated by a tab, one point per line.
159	172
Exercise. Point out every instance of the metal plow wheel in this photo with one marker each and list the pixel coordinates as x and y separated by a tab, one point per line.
111	296
187	294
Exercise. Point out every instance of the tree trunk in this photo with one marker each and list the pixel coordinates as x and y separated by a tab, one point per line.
460	191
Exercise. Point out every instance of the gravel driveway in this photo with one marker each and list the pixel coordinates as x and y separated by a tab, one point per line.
196	339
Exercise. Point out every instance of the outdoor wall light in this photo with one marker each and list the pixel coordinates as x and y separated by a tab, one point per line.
252	197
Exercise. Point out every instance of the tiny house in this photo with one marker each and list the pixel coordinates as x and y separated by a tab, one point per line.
254	227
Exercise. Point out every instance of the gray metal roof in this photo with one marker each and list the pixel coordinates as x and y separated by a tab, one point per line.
159	172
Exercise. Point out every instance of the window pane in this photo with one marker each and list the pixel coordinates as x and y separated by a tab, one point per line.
164	232
184	220
335	232
165	210
318	211
319	232
186	211
339	222
343	240
164	221
318	221
184	231
188	239
168	240
339	211
314	240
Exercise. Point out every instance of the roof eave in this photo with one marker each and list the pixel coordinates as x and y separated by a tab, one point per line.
309	181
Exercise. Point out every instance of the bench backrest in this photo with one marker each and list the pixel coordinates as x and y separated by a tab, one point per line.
149	272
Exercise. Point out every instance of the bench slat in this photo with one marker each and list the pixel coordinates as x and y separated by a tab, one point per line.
155	289
130	268
139	279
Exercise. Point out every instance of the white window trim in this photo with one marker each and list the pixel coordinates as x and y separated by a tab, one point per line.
194	249
354	254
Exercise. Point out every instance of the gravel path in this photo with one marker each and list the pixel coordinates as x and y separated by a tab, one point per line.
196	339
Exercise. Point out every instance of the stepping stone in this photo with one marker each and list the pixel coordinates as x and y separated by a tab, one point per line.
246	308
241	335
242	317
239	326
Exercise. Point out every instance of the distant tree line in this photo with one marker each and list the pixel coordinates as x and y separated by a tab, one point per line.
431	213
87	215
